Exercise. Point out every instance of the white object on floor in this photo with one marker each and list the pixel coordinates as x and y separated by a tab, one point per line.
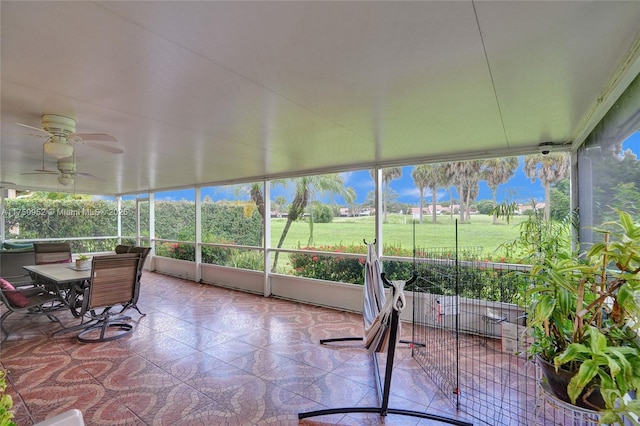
68	418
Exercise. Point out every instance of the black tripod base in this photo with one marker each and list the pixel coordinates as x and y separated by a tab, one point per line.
347	410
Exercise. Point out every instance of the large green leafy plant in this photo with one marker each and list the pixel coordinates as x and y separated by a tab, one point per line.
584	317
6	403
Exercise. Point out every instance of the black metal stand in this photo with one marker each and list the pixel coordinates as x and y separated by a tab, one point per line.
383	389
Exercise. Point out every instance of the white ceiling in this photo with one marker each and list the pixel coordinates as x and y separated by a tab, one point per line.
206	92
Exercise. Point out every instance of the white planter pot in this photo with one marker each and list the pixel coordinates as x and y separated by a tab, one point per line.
83	264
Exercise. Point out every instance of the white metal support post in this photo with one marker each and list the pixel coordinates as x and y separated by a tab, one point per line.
198	236
266	238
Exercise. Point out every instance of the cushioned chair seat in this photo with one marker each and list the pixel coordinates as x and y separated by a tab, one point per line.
30	302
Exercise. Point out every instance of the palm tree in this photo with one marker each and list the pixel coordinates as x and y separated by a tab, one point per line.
305	187
428	176
421	181
464	175
547	168
388	174
496	171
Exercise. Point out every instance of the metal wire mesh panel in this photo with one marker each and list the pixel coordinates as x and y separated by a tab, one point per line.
469	316
437	348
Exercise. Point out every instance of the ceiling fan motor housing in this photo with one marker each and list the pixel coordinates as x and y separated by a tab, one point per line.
67	165
59	125
65	179
60	128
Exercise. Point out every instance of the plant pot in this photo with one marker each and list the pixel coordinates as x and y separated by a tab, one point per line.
559	380
83	264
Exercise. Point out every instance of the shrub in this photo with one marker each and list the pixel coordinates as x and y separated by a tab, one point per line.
321	213
436	270
330	267
180	251
246	259
485	207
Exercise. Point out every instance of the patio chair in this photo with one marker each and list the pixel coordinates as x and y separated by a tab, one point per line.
121	249
112	283
46	253
11	263
491	318
29	302
144	252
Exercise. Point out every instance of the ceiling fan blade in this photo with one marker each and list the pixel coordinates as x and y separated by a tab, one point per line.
88	176
36	128
41	172
106	148
99	137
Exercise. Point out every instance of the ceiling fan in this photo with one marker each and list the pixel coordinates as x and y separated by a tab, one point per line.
66	170
61	133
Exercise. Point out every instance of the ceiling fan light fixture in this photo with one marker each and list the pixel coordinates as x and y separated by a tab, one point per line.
65	179
58	149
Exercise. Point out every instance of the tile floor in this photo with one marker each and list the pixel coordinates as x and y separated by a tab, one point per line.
205	355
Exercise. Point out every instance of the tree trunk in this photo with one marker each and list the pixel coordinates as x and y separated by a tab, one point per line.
282	237
495	203
384	204
433	204
297	208
461	208
421	203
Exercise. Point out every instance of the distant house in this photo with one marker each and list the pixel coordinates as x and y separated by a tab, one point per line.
523	208
426	210
447	209
344	211
278	213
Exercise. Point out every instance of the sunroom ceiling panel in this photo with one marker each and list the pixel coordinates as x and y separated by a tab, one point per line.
552	61
201	92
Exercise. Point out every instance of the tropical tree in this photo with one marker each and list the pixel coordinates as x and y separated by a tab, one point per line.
256	194
305	188
421	181
464	175
496	171
547	168
616	184
388	174
428	176
280	202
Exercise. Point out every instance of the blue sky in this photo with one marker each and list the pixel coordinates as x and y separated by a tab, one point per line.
519	187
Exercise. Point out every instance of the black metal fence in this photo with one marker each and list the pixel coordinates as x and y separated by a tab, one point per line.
469	315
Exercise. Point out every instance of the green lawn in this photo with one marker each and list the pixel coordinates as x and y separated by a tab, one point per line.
399	231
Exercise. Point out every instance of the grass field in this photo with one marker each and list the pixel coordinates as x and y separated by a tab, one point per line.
398	231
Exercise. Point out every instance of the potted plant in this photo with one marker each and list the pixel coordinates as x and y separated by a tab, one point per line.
584	320
6	402
83	262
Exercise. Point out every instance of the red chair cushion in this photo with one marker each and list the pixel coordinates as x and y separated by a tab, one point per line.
14	297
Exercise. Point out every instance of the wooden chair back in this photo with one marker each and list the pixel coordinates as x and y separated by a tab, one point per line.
113	280
121	249
144	252
52	253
